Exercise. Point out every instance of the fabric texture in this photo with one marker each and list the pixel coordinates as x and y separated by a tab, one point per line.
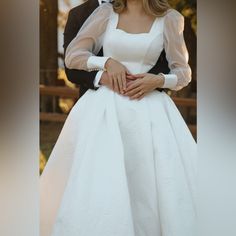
122	167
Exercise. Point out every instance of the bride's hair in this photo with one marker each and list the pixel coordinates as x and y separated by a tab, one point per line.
151	7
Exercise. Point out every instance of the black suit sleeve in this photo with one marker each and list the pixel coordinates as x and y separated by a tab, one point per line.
79	77
161	67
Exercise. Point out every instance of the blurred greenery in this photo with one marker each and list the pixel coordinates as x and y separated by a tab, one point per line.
188	8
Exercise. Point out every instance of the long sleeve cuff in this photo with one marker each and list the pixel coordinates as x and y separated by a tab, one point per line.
96	62
170	81
97	79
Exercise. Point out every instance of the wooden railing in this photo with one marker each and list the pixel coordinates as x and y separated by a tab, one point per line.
66	92
60	91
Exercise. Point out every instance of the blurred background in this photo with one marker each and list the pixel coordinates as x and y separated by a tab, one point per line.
58	95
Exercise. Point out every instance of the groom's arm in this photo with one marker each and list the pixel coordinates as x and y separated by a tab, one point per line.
160	67
73	25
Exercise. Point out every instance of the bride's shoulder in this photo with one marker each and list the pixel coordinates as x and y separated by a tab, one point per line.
172	14
102	12
105	7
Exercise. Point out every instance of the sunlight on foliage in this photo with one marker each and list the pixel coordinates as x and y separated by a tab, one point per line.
188	8
62	76
42	162
65	103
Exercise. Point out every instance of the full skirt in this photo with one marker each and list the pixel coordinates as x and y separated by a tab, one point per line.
121	168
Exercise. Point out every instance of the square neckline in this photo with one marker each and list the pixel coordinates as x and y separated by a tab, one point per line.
121	30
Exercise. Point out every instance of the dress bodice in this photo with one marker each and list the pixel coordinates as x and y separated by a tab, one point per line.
138	52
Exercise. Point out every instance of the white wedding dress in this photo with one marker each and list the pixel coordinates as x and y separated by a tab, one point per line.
123	167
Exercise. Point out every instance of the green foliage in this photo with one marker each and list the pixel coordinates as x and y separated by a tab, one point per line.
188	8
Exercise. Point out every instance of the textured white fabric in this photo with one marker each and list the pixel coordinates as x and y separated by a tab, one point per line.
122	167
89	39
175	48
97	79
170	81
96	62
99	74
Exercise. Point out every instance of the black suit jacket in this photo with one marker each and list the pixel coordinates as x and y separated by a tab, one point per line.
76	18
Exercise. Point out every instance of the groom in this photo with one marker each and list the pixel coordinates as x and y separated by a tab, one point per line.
92	80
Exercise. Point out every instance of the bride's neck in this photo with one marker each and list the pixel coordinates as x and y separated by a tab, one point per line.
135	6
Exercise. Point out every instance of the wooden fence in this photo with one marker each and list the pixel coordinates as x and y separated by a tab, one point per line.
66	92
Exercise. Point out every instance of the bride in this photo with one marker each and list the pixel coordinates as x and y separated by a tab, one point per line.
127	165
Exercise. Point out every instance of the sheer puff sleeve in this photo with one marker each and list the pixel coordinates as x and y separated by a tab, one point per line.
176	52
81	52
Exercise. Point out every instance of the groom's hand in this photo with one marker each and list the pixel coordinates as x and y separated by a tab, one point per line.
105	80
117	73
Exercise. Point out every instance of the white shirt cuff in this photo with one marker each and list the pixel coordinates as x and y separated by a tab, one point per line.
170	81
96	63
97	79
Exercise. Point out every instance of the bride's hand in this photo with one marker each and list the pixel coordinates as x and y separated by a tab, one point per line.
144	84
117	75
